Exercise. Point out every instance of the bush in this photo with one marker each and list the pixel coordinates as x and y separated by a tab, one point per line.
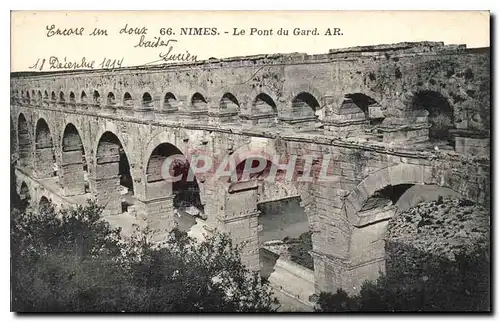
299	250
416	281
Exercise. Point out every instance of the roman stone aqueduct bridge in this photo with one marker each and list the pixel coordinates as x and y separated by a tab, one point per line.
374	111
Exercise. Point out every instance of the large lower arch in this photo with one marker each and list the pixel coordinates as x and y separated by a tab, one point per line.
408	174
44	204
113	181
24	142
44	151
72	171
25	196
369	208
282	222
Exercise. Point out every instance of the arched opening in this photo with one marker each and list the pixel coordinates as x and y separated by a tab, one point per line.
112	171
25	196
229	103
24	142
416	233
440	114
44	204
83	98
263	111
45	165
147	101
72	99
73	172
39	97
27	98
62	101
97	98
198	102
283	228
166	163
370	108
53	98
368	244
111	99
46	98
304	105
127	100
169	101
263	104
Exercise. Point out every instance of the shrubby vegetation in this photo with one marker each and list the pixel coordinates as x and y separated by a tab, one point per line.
426	269
299	249
71	261
437	284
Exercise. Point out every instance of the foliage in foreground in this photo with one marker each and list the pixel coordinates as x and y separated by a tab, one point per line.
71	261
417	282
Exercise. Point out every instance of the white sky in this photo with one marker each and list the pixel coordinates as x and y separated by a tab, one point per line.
29	40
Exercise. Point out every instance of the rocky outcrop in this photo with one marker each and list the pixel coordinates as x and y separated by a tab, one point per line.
439	228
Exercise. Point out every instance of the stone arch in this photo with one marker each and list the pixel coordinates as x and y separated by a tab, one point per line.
46	98
74	162
362	102
263	104
198	102
147	101
53	98
24	142
128	102
96	98
159	172
113	174
401	174
39	97
72	98
44	150
163	137
43	203
27	98
25	194
304	104
229	103
279	202
83	98
170	102
377	200
265	149
440	113
110	99
62	99
111	127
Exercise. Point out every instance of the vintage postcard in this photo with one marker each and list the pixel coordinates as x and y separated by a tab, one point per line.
280	161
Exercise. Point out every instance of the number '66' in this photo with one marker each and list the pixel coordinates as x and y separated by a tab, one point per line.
165	31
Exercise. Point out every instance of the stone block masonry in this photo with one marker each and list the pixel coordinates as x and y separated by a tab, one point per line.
372	110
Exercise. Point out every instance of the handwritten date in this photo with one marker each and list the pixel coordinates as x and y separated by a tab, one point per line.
57	63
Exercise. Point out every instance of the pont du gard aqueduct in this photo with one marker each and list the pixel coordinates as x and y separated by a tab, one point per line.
399	121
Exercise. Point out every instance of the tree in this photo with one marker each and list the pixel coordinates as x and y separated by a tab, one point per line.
72	261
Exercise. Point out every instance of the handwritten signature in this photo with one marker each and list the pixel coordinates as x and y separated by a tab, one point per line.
171	55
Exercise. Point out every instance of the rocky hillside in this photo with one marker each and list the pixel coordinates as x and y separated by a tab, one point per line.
440	228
